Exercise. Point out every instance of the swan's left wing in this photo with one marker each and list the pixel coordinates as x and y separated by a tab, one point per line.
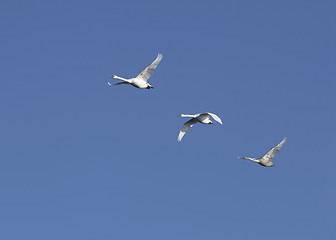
271	153
185	128
214	116
120	83
148	71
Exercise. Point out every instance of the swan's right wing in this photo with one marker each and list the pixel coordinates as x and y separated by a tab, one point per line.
271	153
185	128
214	116
148	71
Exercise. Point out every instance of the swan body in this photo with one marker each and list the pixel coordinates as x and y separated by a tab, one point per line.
266	160
140	81
196	118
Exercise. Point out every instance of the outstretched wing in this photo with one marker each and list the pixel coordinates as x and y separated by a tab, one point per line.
214	116
148	71
185	128
120	83
271	153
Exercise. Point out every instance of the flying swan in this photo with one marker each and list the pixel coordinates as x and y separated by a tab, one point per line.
201	118
140	81
266	160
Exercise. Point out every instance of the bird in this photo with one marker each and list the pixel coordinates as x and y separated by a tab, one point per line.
140	81
196	118
266	160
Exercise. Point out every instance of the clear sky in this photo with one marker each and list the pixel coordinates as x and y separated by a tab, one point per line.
84	160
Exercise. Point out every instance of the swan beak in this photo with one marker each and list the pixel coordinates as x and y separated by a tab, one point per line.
180	115
113	76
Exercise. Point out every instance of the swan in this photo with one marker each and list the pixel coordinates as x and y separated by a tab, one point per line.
266	160
140	81
196	118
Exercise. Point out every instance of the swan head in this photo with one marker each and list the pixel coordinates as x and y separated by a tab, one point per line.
113	76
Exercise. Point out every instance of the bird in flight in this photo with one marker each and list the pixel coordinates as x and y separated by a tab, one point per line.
140	81
266	160
197	118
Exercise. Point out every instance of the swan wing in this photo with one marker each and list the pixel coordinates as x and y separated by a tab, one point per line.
214	116
120	83
148	71
271	153
185	128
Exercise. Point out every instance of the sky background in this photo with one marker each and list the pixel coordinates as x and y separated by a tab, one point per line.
83	160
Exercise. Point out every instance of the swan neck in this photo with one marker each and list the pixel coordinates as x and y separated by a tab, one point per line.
187	115
124	79
252	159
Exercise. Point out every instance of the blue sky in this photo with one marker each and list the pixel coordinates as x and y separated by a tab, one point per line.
82	160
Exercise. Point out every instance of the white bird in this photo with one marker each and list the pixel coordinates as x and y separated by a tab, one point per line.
201	118
140	81
266	160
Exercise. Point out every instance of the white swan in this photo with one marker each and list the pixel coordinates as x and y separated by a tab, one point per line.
266	160
140	81
201	118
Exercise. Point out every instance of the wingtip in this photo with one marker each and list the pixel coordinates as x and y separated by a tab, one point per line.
109	83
